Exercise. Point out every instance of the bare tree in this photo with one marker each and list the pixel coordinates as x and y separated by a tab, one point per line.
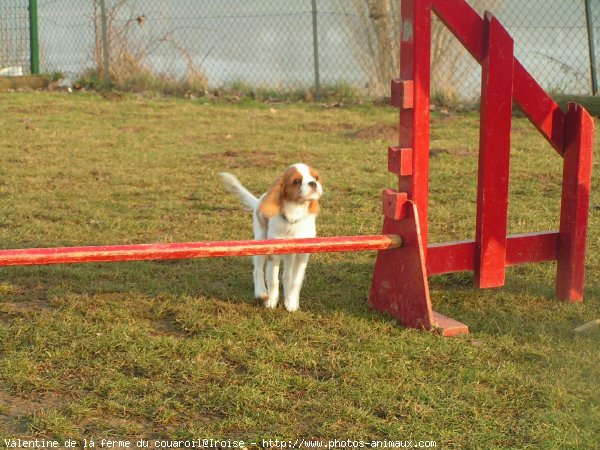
451	64
131	42
373	28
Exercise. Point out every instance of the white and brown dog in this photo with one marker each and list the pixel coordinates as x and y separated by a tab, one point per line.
287	210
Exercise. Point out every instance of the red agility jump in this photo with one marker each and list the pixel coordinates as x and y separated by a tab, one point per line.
503	80
405	260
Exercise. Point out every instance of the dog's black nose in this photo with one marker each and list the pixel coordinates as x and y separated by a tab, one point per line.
313	184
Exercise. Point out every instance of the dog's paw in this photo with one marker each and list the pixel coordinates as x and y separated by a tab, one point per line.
292	304
271	303
262	296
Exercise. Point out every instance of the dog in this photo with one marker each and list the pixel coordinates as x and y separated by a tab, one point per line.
287	210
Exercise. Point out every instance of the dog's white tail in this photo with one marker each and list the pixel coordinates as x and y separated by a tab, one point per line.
233	185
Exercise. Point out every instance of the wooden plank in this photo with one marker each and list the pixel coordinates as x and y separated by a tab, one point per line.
402	94
400	160
414	123
183	250
400	286
531	248
394	204
494	155
448	327
574	207
536	104
449	257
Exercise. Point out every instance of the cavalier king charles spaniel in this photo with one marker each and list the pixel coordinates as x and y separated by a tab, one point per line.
287	210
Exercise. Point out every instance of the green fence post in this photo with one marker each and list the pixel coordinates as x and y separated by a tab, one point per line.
591	48
34	43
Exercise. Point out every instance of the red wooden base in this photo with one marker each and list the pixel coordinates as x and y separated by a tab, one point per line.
448	327
400	286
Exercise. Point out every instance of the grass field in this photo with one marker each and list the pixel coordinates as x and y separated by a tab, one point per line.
180	349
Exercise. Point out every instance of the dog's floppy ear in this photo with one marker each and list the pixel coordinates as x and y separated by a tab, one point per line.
313	207
270	205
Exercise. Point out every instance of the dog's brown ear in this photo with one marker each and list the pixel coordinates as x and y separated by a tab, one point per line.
314	207
270	205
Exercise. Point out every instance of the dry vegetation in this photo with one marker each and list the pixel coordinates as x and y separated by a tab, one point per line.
131	45
373	28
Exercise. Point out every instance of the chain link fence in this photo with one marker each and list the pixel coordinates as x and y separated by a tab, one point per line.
285	44
15	57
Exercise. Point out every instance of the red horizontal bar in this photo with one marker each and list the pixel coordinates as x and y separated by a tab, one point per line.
459	256
182	250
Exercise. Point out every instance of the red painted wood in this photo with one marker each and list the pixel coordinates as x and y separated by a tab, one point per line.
494	155
405	162
448	257
400	160
140	252
531	248
402	94
400	286
574	208
394	204
414	123
448	327
536	104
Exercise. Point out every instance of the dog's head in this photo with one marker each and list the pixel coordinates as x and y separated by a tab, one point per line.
299	183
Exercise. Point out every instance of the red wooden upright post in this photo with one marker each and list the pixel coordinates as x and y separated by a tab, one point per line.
575	201
411	94
494	155
400	286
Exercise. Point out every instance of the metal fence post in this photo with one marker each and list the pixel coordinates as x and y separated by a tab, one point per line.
316	50
591	47
34	44
105	47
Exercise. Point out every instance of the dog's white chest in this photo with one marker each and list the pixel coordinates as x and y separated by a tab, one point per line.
280	227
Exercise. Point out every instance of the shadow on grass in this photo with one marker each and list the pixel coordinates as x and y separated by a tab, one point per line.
521	307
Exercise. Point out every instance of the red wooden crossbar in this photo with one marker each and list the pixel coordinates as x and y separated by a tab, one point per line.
536	104
448	257
183	250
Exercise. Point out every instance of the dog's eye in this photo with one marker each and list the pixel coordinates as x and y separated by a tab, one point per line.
297	181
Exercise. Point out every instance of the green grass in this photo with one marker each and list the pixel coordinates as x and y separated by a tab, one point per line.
180	349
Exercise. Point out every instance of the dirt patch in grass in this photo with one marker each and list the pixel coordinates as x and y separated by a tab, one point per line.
238	159
168	326
386	131
329	127
378	132
26	308
15	410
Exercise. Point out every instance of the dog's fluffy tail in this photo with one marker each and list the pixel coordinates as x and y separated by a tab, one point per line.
233	185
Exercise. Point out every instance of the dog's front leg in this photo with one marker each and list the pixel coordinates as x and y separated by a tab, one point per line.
260	291
273	262
288	273
292	296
